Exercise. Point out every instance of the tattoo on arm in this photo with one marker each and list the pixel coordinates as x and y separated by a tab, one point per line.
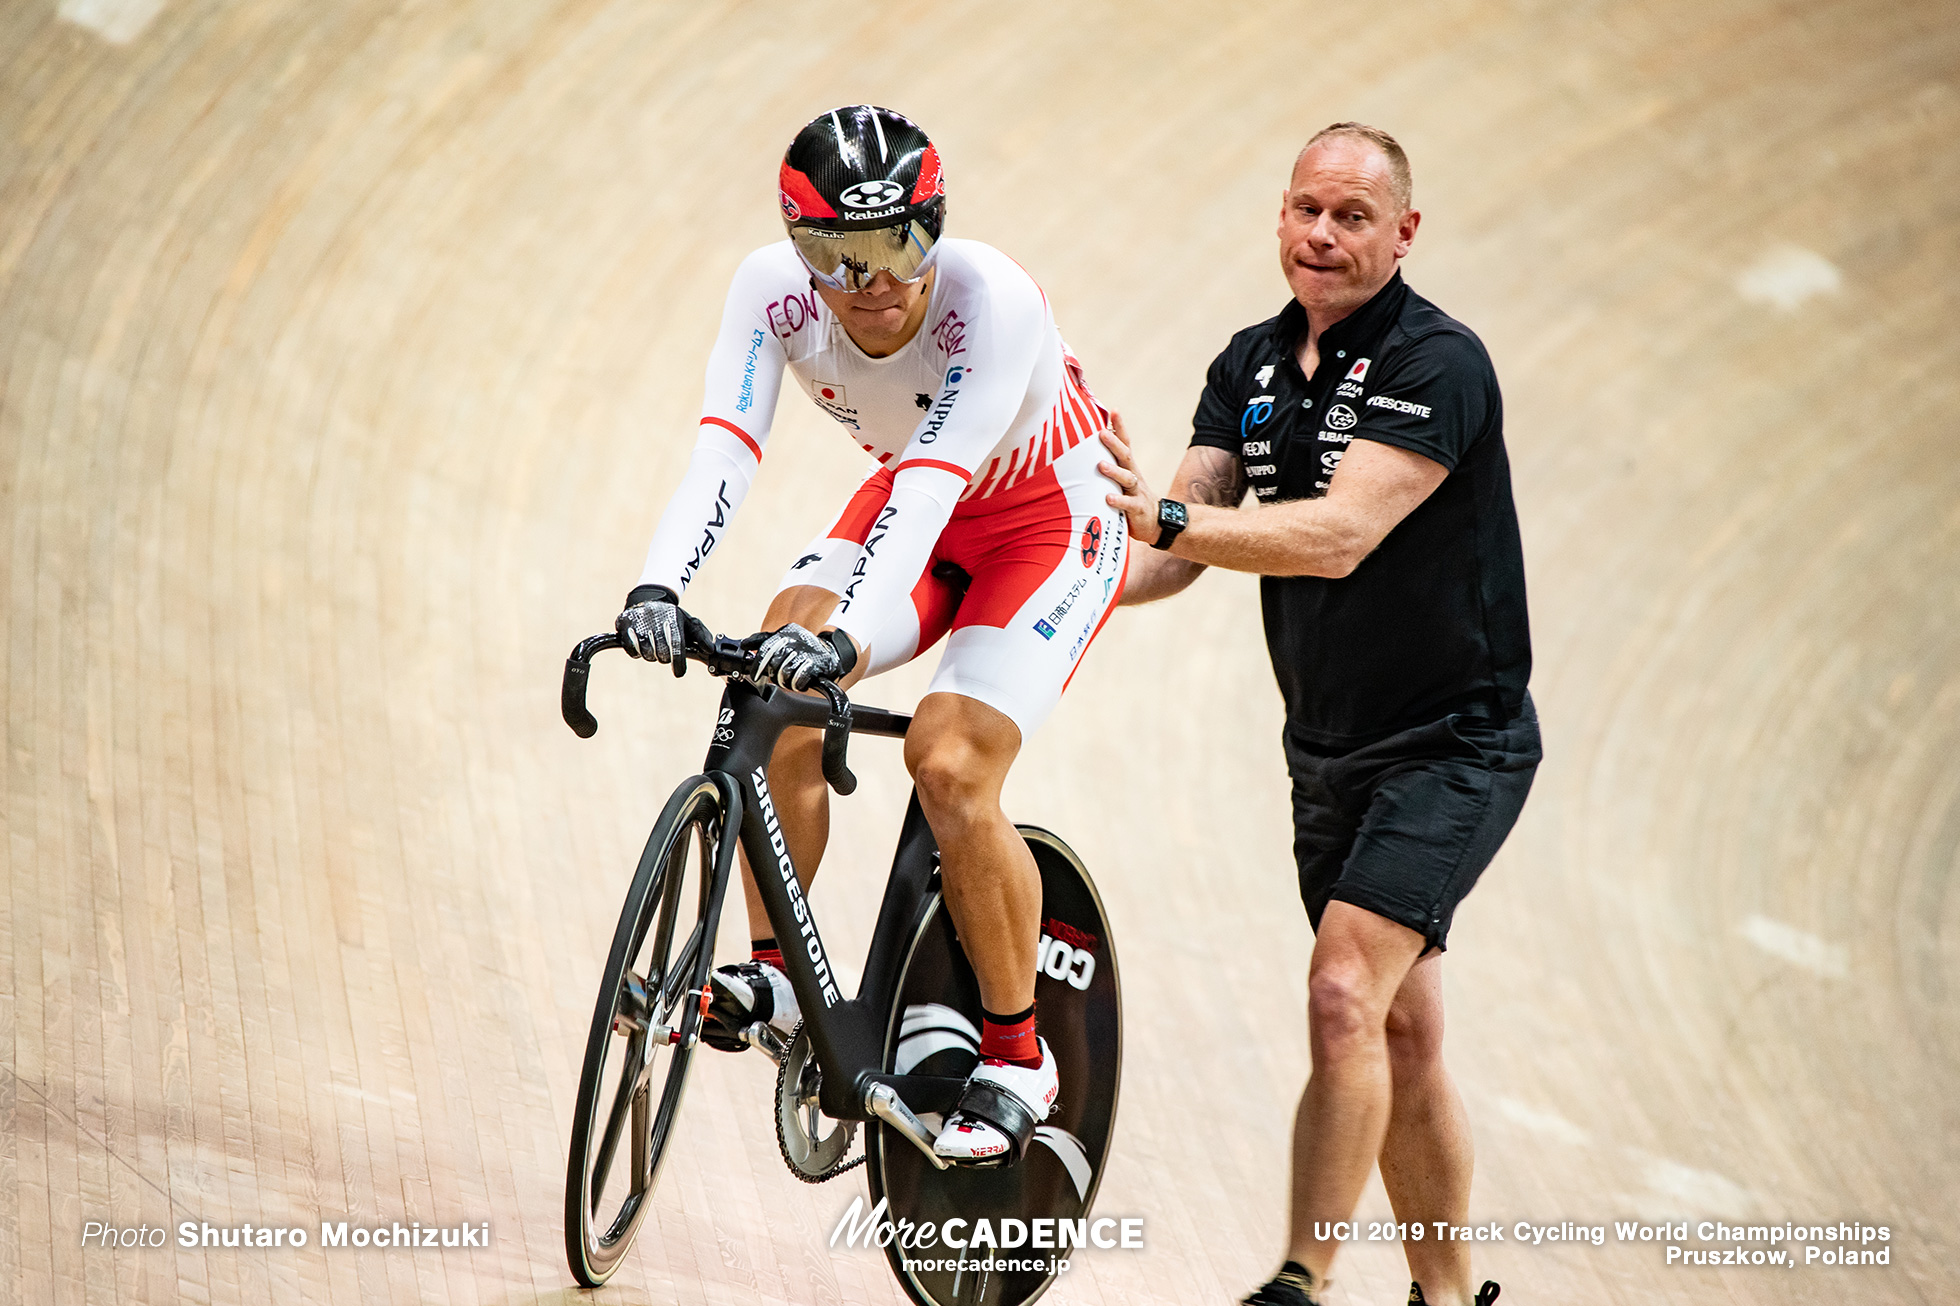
1216	478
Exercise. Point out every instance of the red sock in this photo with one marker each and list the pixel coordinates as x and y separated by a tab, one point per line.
1010	1039
765	950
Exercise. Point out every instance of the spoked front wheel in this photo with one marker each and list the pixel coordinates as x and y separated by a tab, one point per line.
644	1028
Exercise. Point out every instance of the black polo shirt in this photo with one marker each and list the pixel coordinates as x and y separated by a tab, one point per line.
1433	621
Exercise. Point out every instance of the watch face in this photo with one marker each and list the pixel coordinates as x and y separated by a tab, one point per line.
1171	513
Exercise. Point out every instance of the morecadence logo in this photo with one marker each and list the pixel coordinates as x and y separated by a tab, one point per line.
979	1243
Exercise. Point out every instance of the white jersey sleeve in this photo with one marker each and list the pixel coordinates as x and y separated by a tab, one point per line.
1006	330
744	376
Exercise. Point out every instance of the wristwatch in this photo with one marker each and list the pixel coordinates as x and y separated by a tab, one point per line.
1172	518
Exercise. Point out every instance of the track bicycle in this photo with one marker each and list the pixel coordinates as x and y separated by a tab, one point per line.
894	1057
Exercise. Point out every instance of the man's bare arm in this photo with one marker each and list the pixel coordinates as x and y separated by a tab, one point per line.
1375	487
1207	476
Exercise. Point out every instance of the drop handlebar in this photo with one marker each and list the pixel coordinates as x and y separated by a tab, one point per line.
732	658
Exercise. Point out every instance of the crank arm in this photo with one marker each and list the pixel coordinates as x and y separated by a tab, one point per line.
759	1035
881	1101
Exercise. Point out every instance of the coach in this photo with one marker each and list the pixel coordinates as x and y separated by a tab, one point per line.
1367	424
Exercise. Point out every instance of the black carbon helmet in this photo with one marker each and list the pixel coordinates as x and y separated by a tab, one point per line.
861	191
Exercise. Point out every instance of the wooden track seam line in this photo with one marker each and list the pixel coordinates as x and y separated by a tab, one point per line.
100	1142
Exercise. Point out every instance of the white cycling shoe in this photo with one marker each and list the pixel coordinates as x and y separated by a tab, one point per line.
999	1108
741	995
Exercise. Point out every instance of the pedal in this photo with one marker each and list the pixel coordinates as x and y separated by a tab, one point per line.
759	1035
882	1101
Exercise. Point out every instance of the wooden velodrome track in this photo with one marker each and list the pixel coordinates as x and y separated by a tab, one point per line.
347	352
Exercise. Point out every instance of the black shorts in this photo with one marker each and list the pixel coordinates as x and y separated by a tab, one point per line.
1404	826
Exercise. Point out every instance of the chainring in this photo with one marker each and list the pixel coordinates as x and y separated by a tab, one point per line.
812	1157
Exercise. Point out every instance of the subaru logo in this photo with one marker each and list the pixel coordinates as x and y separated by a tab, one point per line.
1340	417
872	195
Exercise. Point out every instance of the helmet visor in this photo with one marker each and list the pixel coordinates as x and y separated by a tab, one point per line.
848	260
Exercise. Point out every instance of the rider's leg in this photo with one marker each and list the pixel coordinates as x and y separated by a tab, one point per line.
958	751
796	782
1047	561
1426	1155
1359	963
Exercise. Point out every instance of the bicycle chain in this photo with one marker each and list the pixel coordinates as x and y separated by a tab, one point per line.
782	1144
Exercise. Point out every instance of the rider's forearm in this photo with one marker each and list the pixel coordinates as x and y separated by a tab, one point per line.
700	511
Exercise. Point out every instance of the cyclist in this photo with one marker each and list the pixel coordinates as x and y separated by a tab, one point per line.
983	518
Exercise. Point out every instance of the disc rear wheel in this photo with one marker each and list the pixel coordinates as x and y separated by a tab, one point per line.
644	1028
935	1030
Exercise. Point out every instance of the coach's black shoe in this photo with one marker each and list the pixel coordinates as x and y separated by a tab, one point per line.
740	996
1485	1295
1294	1285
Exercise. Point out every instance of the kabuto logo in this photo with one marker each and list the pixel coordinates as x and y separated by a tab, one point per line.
872	195
1359	372
1091	541
1112	542
1340	417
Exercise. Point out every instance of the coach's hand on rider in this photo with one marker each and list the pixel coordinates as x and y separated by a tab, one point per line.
650	627
796	659
1136	502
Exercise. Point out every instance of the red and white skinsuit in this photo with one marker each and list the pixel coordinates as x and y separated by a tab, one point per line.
985	441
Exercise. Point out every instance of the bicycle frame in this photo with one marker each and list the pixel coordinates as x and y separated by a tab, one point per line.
847	1034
